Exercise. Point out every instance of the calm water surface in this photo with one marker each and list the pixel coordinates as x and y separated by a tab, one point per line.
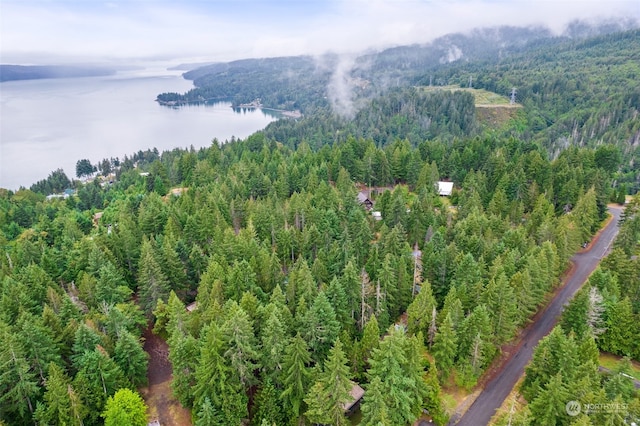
50	124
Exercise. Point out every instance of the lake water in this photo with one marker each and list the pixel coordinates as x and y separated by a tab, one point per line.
53	123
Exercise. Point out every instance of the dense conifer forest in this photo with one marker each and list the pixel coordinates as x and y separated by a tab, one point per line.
296	291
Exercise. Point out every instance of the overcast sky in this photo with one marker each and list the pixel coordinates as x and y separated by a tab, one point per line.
54	31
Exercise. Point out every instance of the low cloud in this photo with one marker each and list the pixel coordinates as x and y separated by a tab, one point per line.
227	30
340	88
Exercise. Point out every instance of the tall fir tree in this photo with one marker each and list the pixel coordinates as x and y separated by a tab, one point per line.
62	403
296	376
419	312
374	405
320	327
240	346
131	358
501	304
216	380
153	284
19	387
395	363
330	394
445	347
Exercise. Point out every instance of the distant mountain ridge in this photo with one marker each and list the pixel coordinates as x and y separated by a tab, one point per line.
292	82
33	72
576	89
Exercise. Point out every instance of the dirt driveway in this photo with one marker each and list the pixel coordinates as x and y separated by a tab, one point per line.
163	407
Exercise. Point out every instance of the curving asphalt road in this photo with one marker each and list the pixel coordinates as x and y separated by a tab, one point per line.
499	387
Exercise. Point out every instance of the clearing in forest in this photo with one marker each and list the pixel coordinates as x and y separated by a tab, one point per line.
492	109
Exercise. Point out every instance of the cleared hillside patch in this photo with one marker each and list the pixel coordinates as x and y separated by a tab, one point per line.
492	109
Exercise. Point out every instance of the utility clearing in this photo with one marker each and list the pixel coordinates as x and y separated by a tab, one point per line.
492	109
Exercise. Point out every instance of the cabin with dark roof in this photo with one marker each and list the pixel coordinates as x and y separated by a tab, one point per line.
364	200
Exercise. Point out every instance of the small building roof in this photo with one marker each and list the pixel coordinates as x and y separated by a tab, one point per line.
445	188
96	217
362	197
356	395
365	200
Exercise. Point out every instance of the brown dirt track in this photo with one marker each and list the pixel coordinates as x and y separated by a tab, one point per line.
163	407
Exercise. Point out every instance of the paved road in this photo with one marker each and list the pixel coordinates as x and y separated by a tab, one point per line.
501	385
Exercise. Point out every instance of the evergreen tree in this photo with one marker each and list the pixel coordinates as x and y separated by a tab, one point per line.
501	304
39	344
240	346
274	342
395	364
183	355
474	339
62	404
585	214
555	354
338	300
18	383
445	347
153	285
296	376
320	327
526	300
173	266
99	377
268	407
331	392
210	289
374	406
419	312
207	415
131	358
215	379
549	407
111	286
619	383
301	282
574	317
453	307
85	340
622	329
364	348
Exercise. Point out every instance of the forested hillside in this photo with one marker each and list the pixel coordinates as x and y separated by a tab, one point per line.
295	290
579	89
296	284
582	93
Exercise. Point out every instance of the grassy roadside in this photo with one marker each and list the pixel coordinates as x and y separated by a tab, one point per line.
511	404
609	361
